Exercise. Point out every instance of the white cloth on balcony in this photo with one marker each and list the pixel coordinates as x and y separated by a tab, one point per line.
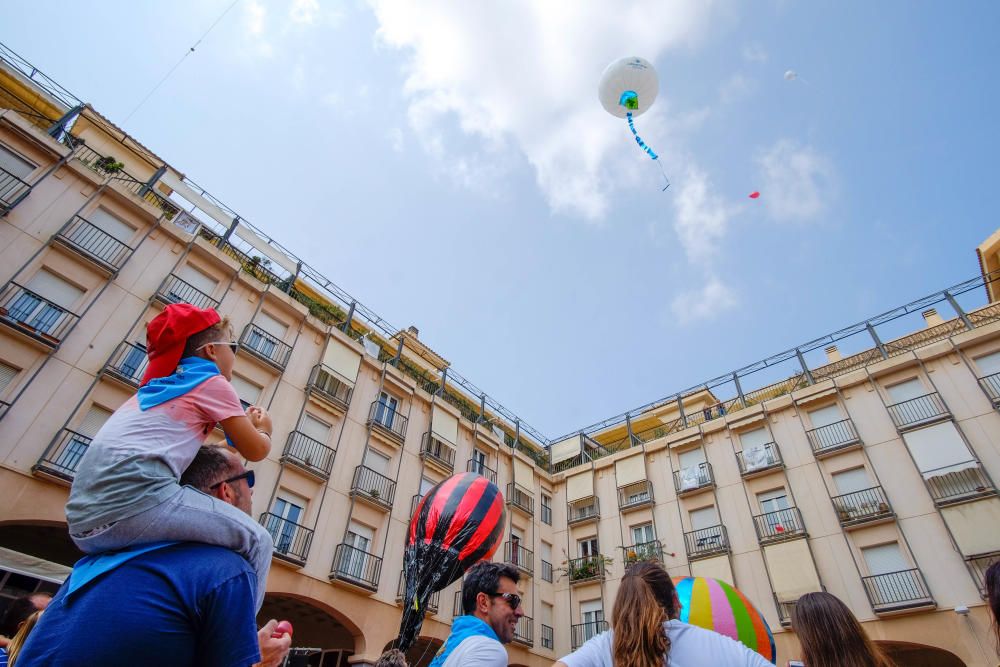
756	457
371	347
691	477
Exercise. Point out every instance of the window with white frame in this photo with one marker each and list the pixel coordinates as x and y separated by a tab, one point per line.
286	519
592	616
386	409
354	558
885	559
587	547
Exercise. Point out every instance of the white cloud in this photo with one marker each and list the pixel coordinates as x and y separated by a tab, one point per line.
797	181
524	74
754	53
701	217
255	17
304	11
705	302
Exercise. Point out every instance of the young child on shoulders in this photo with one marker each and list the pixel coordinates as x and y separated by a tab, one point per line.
126	491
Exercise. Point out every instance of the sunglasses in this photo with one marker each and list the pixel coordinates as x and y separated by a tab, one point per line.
248	476
232	346
513	599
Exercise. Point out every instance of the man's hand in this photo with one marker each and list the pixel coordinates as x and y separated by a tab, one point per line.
272	649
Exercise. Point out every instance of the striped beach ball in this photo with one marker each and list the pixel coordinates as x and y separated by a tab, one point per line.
715	605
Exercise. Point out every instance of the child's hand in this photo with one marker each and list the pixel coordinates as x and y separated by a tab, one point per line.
260	419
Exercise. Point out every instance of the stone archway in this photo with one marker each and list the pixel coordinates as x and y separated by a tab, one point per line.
48	540
919	655
422	652
317	626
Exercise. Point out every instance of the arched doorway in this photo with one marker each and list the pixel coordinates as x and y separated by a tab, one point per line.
422	651
316	627
42	539
919	655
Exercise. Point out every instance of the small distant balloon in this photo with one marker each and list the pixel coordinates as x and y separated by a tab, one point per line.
791	75
754	194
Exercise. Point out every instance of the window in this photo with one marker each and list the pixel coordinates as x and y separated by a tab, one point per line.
547	638
110	224
885	559
134	361
905	391
851	480
773	501
425	486
80	437
354	560
693	471
14	164
824	416
385	410
988	364
587	547
45	308
643	533
706	525
7	375
269	332
315	428
546	509
376	461
248	392
546	555
479	462
196	279
592	614
287	515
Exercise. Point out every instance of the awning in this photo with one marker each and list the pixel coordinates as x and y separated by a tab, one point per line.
31	566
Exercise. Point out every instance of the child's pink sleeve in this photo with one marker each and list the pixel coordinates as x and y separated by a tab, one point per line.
217	400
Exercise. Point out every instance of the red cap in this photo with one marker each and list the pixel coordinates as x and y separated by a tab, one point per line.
167	335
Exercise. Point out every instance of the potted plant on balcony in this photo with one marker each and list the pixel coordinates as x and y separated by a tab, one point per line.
108	165
374	493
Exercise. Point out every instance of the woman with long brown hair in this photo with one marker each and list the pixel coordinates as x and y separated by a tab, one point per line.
17	642
645	633
992	581
831	636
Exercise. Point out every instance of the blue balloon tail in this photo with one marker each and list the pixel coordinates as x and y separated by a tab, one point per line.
645	147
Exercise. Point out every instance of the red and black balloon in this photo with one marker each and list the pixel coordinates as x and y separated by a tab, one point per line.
457	523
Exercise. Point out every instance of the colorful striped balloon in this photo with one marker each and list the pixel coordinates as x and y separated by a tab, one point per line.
715	605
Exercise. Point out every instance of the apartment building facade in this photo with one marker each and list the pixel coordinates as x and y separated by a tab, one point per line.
868	475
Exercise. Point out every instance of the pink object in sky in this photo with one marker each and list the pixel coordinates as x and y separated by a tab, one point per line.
754	194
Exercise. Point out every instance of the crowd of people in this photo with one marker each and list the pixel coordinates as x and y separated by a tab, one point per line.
175	566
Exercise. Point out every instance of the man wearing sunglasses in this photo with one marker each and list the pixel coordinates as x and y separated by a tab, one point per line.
492	608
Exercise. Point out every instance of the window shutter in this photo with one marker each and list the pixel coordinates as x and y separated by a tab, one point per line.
246	390
111	224
825	416
93	421
706	517
988	364
692	458
314	428
904	391
7	375
377	462
55	289
200	281
271	325
849	481
885	558
15	164
754	438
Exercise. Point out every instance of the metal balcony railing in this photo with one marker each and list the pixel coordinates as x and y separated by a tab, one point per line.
387	420
546	514
472	465
437	451
34	315
706	542
63	455
786	610
693	478
94	243
759	459
433	602
515	554
546	571
265	347
521	498
524	631
643	551
862	506
636	495
308	454
456	605
4	406
176	290
548	637
128	363
977	568
373	486
330	386
291	540
833	436
12	191
957	484
991	385
779	525
897	590
414	501
918	411
583	510
355	566
581	632
587	568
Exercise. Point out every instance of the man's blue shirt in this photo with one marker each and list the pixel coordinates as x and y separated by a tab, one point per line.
186	604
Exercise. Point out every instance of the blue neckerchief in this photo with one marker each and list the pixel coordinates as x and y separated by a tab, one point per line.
190	373
462	628
89	568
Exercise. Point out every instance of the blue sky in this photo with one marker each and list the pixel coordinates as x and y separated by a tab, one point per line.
451	167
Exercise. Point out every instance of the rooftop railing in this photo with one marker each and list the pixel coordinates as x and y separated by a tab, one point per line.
34	315
833	437
897	590
356	566
918	411
128	363
779	525
308	454
862	506
291	540
176	290
706	542
330	386
265	347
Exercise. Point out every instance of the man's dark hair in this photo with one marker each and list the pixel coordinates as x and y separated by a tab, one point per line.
484	577
210	465
18	612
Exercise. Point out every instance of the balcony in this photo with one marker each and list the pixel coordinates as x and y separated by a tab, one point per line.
521	558
456	607
437	453
94	244
862	507
373	487
587	568
128	364
32	314
384	420
546	571
581	632
643	551
291	540
635	496
977	568
520	498
265	347
897	591
546	514
548	637
61	459
759	460
524	631
356	567
12	191
958	483
472	465
706	542
433	602
919	411
785	611
414	501
583	510
175	290
833	437
330	387
991	385
778	526
310	456
693	479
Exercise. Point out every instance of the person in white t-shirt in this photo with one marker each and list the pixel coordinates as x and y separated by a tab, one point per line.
645	633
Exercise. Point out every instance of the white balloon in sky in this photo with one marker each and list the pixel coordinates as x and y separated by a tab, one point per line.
791	75
628	85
